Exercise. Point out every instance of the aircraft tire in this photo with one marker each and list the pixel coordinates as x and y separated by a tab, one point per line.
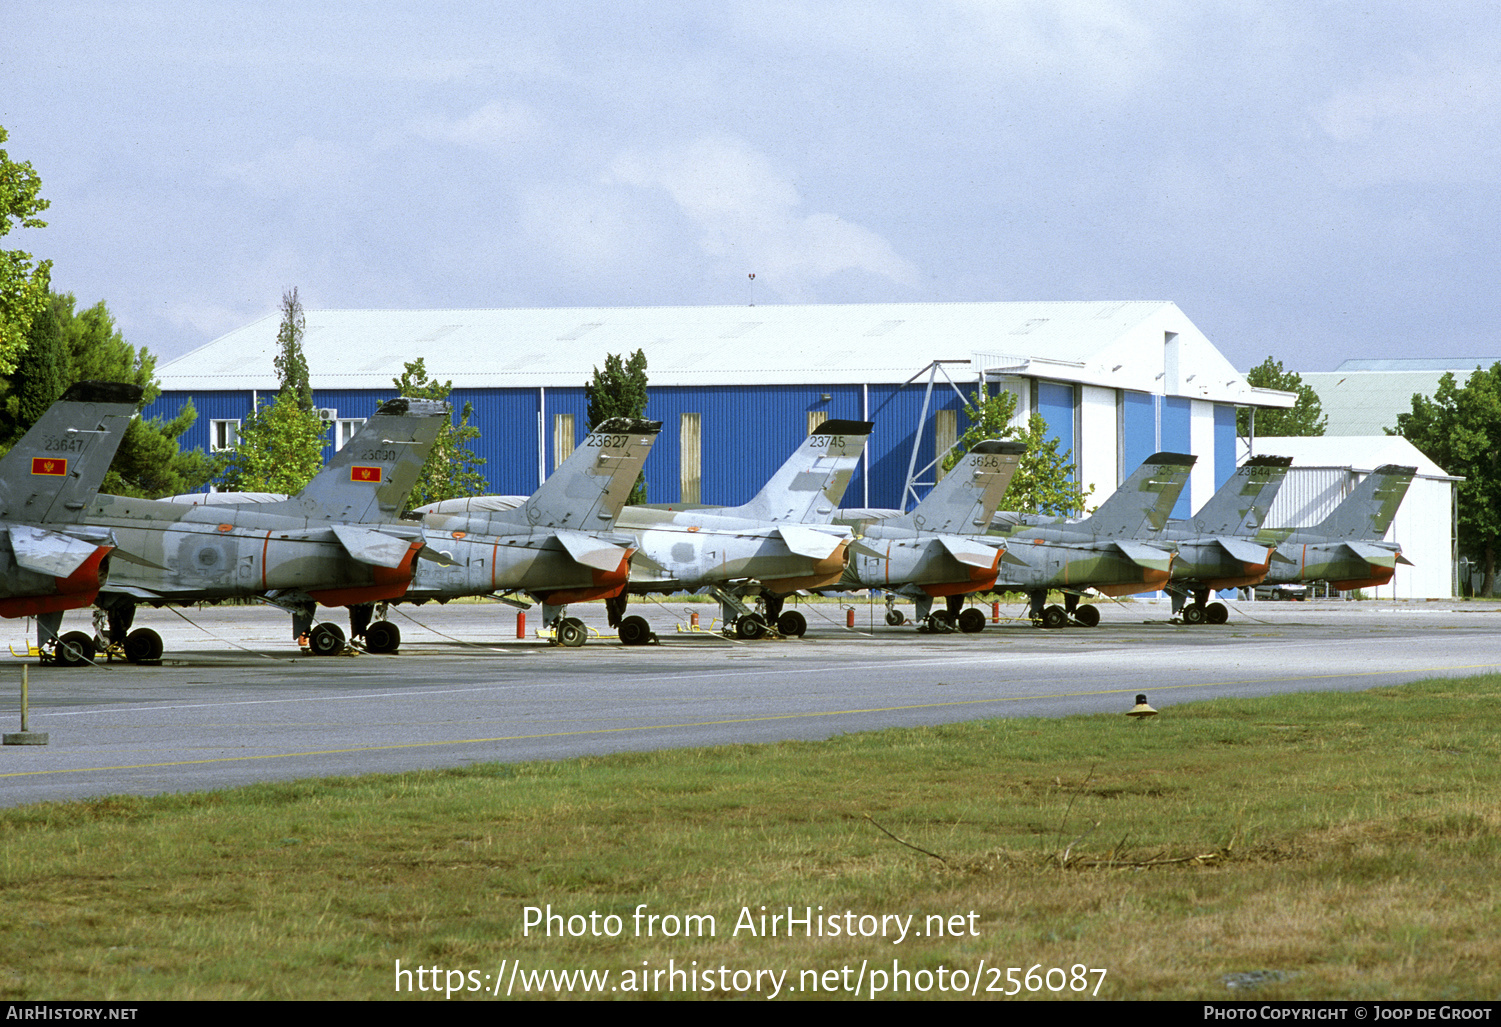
571	632
1054	616
972	621
383	637
1193	613
74	649
635	631
1216	613
941	622
792	624
143	646
326	639
895	618
1089	616
750	627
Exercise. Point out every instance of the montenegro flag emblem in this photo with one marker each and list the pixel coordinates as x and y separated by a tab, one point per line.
370	474
49	465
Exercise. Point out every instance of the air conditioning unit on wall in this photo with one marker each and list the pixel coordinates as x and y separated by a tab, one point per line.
328	413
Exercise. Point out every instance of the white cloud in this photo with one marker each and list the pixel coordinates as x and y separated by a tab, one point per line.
307	166
1424	125
1105	47
497	124
748	217
586	227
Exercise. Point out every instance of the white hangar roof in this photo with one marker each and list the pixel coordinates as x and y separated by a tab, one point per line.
1118	344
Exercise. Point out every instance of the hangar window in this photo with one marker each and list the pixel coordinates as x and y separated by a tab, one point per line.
223	435
346	429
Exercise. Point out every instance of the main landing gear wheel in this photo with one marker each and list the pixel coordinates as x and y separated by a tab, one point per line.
382	637
74	650
1216	613
792	624
894	617
1193	613
750	627
327	639
1054	617
571	632
1089	616
941	622
143	646
972	621
635	631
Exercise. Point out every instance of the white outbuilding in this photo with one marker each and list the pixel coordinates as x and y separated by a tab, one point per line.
1325	469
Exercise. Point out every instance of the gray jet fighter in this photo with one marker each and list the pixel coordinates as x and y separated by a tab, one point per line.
1104	551
935	550
778	543
1348	548
1217	547
50	561
337	542
559	545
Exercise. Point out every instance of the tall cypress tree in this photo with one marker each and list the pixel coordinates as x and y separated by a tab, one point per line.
291	365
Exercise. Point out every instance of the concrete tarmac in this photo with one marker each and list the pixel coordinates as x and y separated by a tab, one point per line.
236	702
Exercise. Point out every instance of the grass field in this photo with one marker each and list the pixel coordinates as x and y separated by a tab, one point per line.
1313	846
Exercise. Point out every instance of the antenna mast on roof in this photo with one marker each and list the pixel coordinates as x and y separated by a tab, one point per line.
753	288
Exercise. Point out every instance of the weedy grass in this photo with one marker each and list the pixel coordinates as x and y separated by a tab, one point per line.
1312	846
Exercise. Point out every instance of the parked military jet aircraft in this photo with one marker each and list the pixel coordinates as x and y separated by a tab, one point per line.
1348	548
779	542
1104	551
337	542
1217	547
934	550
50	560
559	545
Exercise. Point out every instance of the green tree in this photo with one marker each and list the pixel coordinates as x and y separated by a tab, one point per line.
280	449
1044	481
451	468
97	350
1305	417
151	461
281	445
291	365
619	391
1460	430
23	284
88	347
40	375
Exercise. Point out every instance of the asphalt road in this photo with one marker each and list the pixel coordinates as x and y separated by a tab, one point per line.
235	701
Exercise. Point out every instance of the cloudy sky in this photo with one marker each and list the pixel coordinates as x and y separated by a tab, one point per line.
1310	181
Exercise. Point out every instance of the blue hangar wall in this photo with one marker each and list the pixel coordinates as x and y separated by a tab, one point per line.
748	431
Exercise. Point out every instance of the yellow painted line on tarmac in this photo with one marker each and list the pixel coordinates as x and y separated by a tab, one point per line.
738	720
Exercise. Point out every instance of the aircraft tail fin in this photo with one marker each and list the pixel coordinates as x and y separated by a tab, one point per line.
589	489
56	468
1240	505
1367	512
964	500
808	487
369	479
1142	504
